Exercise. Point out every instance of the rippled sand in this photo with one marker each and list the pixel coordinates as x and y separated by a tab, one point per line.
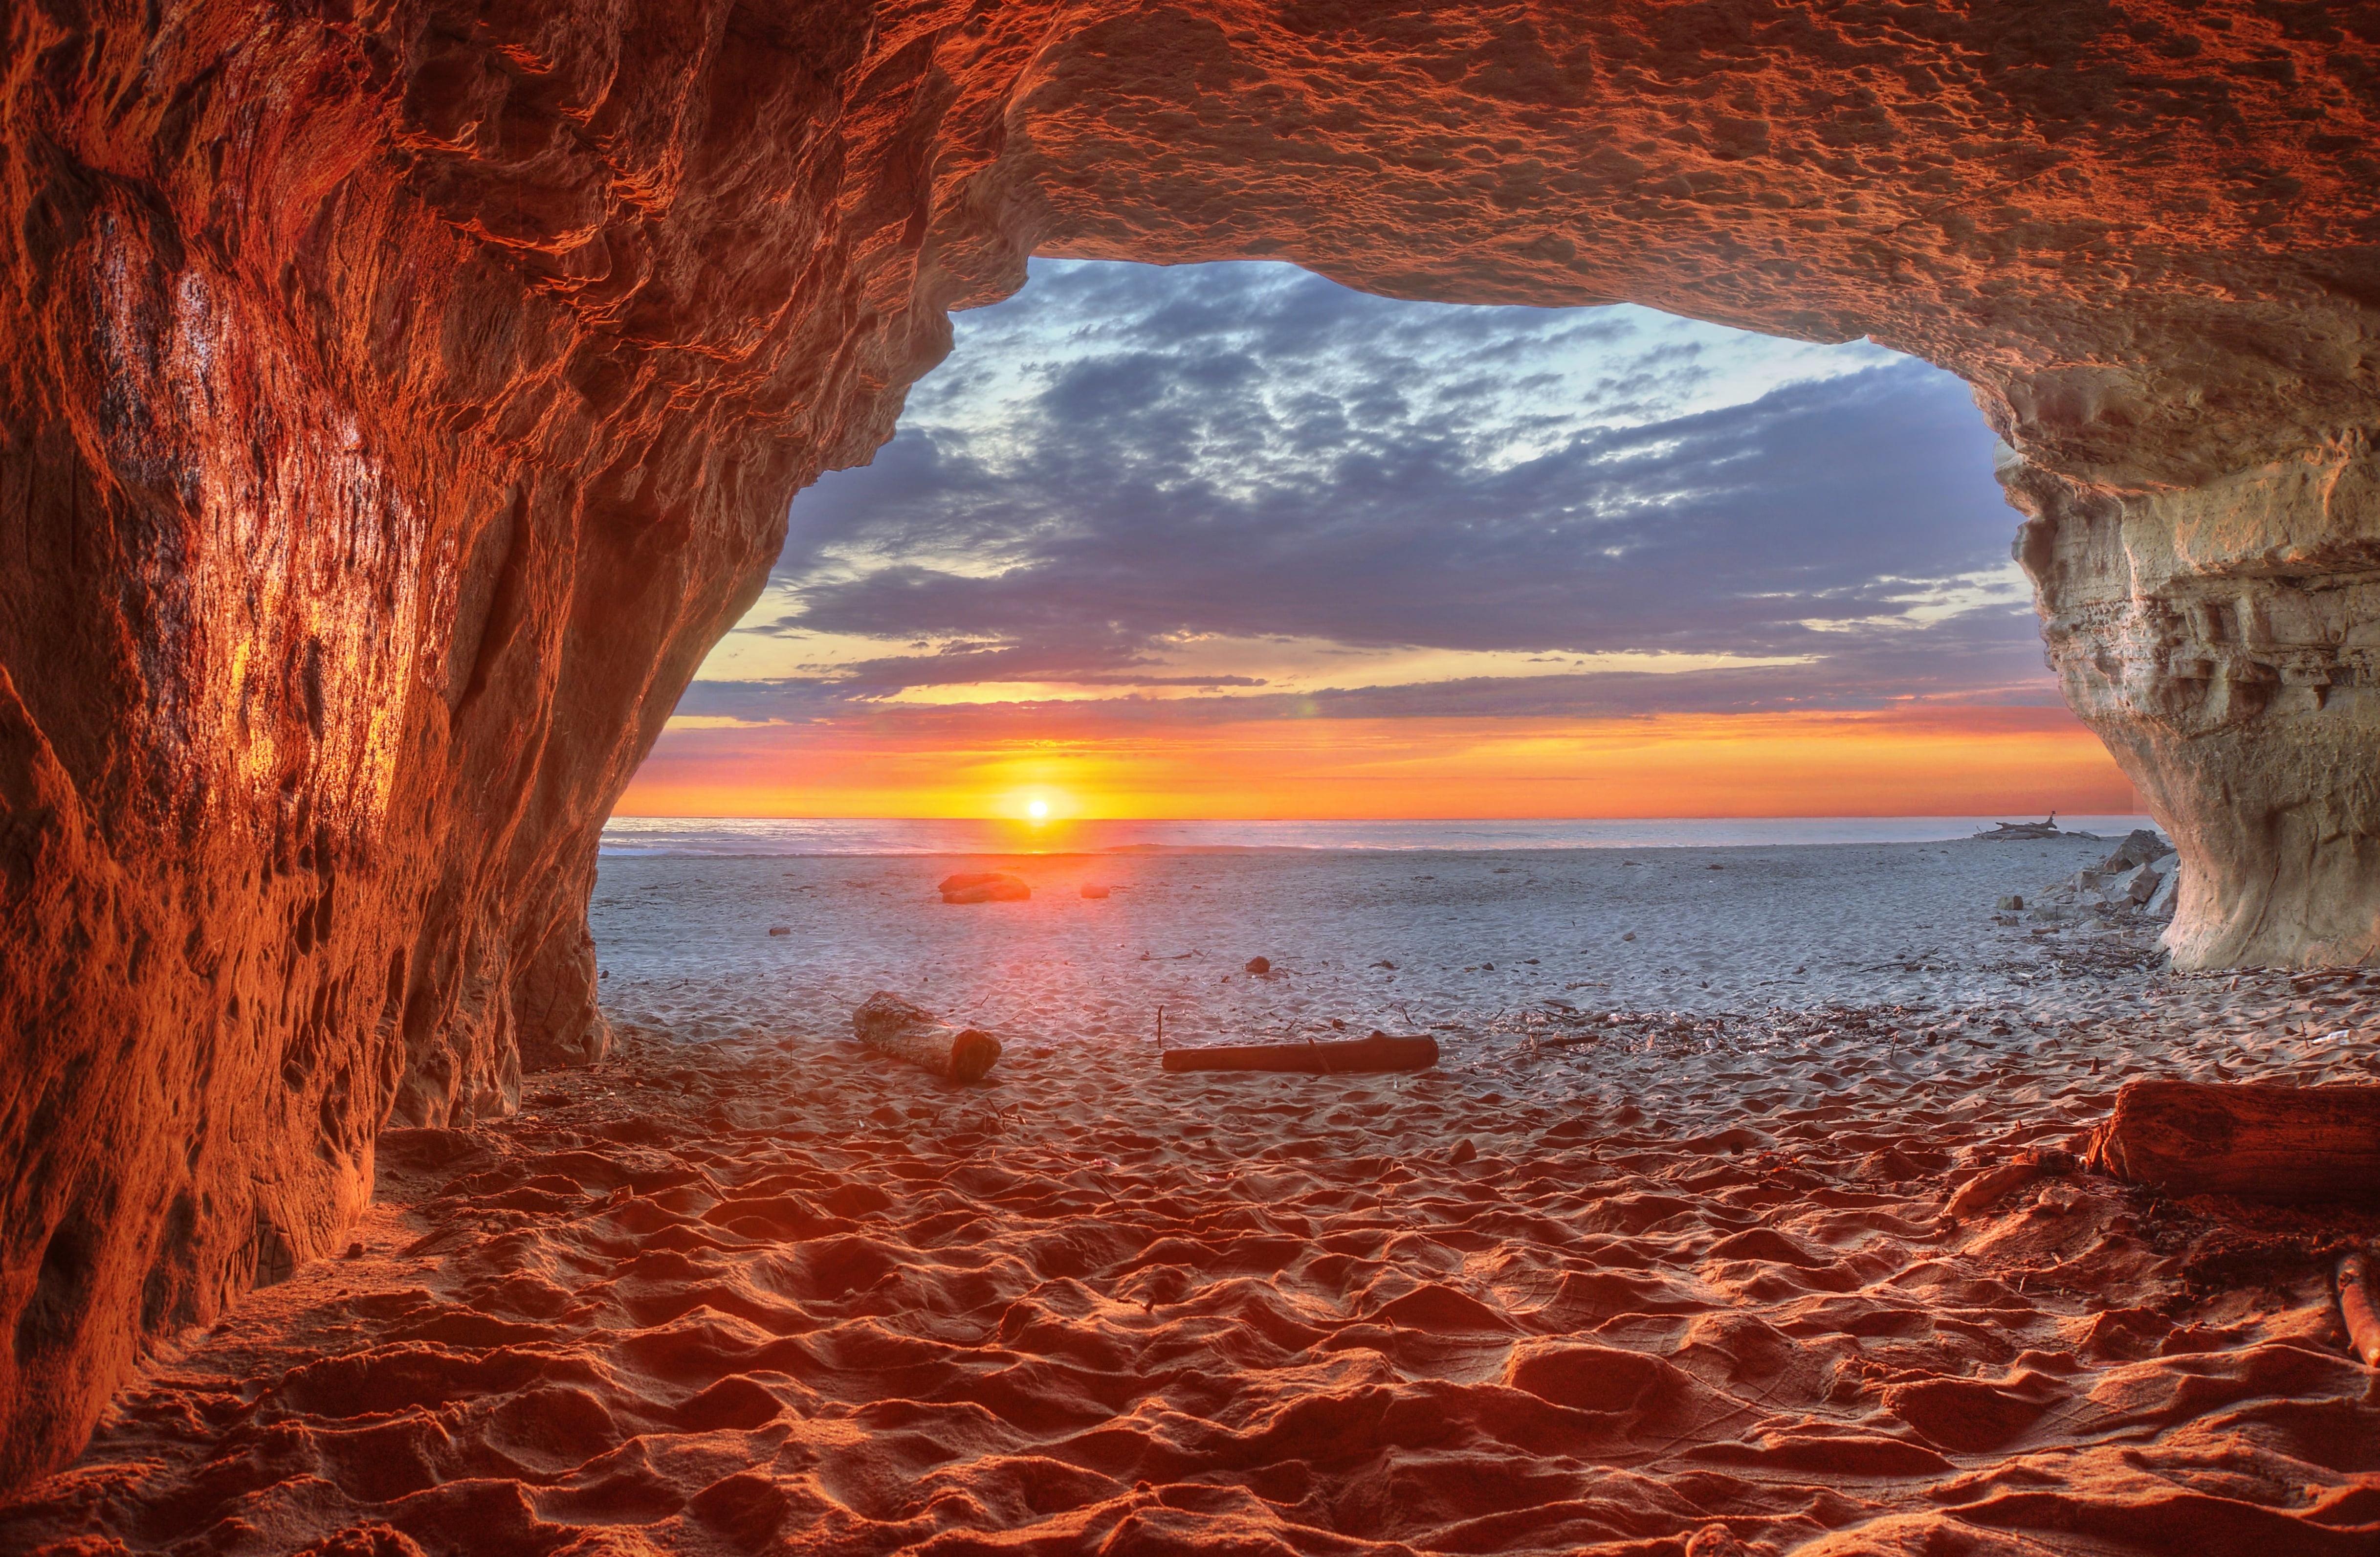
1649	1265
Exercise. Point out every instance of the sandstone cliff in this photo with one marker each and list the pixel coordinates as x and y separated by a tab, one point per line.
400	398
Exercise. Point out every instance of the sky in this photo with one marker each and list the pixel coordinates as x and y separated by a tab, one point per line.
1234	541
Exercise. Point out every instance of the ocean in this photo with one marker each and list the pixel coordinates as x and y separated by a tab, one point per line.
793	836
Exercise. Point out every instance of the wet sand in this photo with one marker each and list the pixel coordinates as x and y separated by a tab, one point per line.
1653	1263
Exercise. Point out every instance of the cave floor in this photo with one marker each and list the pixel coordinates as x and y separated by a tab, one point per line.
1592	1285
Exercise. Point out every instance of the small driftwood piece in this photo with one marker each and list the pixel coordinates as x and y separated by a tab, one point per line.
2254	1142
1377	1052
906	1030
2359	1307
1996	1184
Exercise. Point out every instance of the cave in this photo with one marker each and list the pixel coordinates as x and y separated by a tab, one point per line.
401	400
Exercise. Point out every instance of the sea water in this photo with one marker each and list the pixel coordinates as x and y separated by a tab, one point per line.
881	835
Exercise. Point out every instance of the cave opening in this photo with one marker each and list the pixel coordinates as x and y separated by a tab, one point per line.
1141	511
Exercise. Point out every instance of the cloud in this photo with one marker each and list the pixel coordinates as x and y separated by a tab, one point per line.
1126	465
1988	657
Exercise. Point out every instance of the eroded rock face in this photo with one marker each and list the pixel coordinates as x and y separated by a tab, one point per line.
2223	639
399	402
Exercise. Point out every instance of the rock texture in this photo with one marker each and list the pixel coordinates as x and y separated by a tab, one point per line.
399	398
2223	639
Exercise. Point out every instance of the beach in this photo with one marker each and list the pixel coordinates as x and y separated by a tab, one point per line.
1654	1262
683	943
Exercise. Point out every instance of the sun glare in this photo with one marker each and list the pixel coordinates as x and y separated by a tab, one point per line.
1039	810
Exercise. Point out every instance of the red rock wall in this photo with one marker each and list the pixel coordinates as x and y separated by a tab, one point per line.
399	401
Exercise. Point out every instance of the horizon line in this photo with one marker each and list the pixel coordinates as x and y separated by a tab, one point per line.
1388	821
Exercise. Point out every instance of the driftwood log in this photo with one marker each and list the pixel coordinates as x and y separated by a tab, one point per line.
1377	1052
2359	1308
2258	1142
906	1031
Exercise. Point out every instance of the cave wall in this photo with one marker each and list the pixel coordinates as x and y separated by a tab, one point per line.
398	399
2223	639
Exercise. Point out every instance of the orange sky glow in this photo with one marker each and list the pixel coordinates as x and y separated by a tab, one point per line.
1080	763
1419	561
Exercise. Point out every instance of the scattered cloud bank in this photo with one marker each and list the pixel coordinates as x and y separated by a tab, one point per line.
1237	492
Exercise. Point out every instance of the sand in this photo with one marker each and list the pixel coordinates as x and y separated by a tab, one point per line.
1653	1263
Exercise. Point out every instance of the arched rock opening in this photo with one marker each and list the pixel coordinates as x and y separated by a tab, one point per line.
399	401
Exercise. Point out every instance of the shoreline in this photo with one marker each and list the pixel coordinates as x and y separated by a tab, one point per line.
744	836
1660	927
1399	851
